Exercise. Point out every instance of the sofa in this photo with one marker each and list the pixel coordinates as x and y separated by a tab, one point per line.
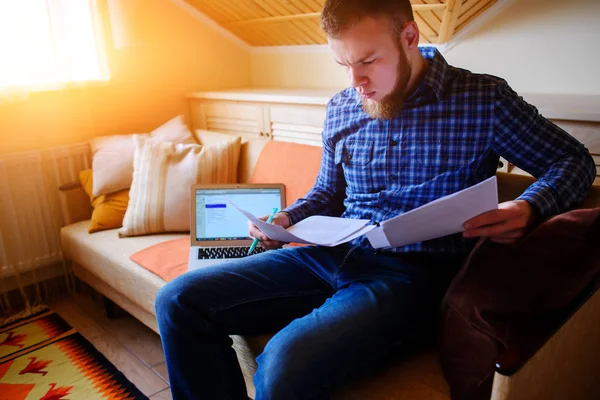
102	260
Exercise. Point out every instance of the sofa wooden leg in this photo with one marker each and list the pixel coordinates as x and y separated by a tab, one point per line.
110	308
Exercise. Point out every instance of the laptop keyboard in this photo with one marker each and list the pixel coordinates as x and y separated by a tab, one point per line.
226	252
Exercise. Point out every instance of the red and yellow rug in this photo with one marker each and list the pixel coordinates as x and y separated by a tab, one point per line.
43	358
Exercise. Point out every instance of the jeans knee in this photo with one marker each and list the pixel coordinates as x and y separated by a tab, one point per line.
170	303
284	373
273	378
162	299
165	301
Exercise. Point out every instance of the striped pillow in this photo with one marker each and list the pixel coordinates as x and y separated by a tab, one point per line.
159	198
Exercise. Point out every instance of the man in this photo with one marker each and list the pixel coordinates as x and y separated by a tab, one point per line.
410	130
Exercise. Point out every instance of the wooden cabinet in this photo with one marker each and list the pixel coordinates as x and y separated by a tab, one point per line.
270	114
228	117
287	123
295	115
300	123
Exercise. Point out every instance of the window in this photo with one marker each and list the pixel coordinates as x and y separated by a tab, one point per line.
49	43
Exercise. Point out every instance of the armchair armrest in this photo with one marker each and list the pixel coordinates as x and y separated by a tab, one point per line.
513	358
74	203
567	366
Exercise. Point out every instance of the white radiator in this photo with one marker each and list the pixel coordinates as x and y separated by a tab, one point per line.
30	217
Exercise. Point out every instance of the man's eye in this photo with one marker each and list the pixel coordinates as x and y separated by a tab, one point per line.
368	62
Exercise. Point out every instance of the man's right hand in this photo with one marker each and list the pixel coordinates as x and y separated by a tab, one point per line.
279	219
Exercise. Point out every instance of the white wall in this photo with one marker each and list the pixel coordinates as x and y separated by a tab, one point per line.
539	46
175	53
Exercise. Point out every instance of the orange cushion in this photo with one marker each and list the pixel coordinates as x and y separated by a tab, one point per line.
295	165
167	259
109	209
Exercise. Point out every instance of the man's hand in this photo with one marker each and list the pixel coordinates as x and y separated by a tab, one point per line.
505	225
279	219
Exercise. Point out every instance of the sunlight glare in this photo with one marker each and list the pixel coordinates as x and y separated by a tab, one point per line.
47	42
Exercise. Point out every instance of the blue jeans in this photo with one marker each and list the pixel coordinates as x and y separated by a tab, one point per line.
337	312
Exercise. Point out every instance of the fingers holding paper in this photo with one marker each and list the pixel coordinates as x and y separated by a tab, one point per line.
505	225
279	219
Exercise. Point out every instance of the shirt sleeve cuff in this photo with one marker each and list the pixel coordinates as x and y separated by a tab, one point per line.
542	199
294	215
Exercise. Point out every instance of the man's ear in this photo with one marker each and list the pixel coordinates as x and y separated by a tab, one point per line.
410	35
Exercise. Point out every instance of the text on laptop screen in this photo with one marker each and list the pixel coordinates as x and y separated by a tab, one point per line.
217	219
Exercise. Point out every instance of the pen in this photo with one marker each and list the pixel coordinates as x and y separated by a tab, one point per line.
269	220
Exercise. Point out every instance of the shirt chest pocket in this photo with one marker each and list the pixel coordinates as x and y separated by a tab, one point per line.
353	153
435	158
356	157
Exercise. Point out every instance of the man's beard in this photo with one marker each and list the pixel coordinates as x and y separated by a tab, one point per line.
391	104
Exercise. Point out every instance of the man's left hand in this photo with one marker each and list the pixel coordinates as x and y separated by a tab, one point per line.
505	225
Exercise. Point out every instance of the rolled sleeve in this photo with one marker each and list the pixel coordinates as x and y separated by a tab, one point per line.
563	166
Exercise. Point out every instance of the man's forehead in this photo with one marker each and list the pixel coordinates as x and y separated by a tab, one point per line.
353	58
368	26
368	32
355	50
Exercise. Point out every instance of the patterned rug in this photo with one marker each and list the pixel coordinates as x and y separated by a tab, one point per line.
43	358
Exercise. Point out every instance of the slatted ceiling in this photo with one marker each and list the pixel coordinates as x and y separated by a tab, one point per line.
466	6
296	22
300	28
428	34
433	16
474	9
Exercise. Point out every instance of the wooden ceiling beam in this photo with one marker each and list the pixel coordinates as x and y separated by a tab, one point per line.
280	18
428	7
449	20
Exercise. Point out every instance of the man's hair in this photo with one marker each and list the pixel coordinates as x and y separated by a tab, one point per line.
337	15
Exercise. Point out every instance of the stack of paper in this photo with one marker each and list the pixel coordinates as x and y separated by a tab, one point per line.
318	229
444	216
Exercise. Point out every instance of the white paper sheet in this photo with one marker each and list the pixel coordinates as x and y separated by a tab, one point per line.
318	229
444	216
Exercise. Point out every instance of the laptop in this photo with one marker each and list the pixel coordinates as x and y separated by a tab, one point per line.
218	231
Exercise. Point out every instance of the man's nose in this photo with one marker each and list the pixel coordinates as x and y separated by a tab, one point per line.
356	78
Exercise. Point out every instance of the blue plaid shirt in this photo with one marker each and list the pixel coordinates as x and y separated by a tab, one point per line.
449	136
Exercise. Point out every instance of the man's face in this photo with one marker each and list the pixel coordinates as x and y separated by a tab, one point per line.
376	65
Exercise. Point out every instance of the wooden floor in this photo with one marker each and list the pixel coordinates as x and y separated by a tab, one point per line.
131	346
136	351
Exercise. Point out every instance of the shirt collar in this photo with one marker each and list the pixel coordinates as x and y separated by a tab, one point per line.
438	71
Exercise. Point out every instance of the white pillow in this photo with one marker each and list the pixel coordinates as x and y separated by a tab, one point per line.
112	163
175	131
159	198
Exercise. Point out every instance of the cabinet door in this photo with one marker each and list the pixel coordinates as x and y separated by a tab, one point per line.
295	123
228	117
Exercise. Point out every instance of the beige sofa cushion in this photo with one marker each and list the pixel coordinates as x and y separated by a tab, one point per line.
114	267
250	150
159	199
112	162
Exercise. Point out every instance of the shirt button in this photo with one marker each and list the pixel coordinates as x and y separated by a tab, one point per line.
394	143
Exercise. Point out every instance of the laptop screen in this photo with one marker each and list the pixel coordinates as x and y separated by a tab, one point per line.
217	219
